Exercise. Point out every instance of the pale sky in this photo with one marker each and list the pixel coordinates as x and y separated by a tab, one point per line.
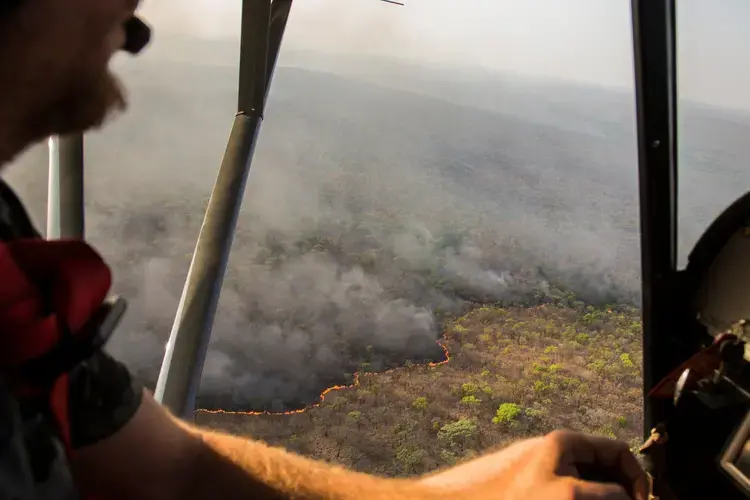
580	40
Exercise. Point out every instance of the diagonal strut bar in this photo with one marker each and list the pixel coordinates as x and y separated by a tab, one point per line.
263	25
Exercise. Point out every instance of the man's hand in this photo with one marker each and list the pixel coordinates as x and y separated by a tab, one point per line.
556	466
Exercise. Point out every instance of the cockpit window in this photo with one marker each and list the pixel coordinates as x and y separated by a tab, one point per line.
713	113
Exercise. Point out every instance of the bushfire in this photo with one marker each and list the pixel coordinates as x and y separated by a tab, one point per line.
325	392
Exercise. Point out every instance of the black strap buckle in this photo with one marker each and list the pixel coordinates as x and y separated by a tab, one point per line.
74	349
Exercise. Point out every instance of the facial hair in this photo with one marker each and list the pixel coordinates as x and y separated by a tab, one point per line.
85	105
82	106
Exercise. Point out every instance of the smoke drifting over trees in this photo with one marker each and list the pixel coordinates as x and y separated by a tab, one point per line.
379	200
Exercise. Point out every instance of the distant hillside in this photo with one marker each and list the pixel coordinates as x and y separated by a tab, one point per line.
513	373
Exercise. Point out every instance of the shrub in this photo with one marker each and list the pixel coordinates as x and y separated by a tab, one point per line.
420	403
470	400
457	433
409	456
507	413
626	361
469	388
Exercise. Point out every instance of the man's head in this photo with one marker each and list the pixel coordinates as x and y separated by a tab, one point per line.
55	76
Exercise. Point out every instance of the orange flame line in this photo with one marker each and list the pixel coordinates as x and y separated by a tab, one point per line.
328	390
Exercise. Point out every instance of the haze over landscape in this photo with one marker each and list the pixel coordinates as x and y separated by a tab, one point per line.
387	192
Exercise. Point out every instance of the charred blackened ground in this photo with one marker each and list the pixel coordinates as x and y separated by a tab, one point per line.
375	208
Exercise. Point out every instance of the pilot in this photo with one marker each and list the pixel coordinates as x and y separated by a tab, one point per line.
90	431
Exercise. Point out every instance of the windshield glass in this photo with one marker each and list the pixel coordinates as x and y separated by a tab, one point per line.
714	112
438	249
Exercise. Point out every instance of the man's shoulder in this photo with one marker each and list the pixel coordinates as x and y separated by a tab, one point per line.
14	219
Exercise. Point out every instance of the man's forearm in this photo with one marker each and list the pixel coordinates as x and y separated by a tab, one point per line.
261	471
175	460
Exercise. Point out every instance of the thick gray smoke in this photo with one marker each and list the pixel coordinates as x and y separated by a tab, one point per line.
382	197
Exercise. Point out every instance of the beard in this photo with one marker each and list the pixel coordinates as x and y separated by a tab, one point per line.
86	105
82	106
